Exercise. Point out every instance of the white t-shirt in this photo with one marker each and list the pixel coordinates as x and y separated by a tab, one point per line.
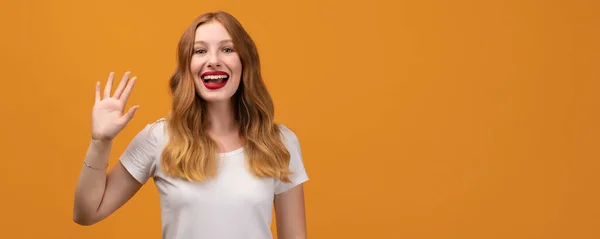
234	205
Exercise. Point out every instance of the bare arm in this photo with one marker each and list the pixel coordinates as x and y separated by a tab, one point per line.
290	215
98	193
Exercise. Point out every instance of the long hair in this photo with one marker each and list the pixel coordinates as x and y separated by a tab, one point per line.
190	153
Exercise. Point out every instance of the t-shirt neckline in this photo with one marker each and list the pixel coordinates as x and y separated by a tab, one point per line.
232	153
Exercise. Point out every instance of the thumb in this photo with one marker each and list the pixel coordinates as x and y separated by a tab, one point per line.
129	115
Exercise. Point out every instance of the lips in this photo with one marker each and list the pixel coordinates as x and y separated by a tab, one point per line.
214	80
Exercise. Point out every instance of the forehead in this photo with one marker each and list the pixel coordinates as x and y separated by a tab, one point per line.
211	32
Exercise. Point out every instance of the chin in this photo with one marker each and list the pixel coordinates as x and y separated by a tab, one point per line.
214	95
215	99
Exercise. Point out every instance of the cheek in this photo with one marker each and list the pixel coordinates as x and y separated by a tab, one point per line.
236	66
195	65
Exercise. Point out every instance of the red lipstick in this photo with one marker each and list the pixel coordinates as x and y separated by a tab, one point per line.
214	80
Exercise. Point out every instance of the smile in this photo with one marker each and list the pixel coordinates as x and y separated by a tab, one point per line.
214	79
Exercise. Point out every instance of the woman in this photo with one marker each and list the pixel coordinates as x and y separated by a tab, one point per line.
218	160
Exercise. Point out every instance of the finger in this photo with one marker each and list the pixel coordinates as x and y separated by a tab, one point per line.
129	115
121	86
97	91
108	86
127	90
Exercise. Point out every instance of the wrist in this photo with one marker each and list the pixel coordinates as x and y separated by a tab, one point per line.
101	142
100	145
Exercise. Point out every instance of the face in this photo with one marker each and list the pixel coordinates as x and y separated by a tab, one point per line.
215	65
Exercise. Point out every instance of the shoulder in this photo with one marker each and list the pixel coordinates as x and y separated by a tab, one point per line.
159	122
152	132
296	164
157	128
287	133
289	137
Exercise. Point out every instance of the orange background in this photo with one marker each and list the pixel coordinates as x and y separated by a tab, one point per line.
417	119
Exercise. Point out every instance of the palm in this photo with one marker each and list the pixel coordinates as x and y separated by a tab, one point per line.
108	118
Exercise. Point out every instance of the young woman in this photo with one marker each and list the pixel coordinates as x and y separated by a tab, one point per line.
218	160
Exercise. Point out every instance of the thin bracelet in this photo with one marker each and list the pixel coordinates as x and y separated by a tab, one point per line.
87	165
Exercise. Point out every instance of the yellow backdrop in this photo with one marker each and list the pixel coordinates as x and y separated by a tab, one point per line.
417	119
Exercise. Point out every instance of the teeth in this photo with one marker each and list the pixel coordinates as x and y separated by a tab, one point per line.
215	77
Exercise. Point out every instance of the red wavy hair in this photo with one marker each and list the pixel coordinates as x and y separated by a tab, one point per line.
190	152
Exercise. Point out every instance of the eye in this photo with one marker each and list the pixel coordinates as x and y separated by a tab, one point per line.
227	49
199	51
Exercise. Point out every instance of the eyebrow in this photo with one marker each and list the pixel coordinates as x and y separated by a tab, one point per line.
222	41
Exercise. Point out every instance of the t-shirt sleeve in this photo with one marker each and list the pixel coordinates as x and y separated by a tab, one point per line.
140	155
299	174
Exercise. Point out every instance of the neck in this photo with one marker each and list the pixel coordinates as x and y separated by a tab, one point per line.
221	118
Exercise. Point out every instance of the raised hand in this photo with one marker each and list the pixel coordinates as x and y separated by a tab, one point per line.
108	118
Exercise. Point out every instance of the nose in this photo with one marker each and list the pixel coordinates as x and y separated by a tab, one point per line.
213	60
